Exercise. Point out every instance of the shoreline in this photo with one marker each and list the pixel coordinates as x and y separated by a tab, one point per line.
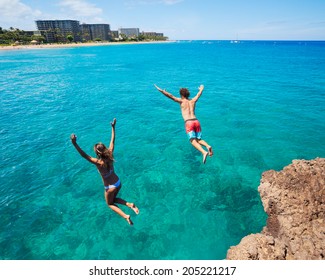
76	45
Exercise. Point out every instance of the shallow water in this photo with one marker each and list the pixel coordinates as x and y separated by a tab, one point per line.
262	107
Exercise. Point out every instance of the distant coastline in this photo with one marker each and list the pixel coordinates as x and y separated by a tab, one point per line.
75	45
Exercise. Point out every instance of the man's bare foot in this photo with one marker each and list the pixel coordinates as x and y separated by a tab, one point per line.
128	219
210	151
205	157
133	207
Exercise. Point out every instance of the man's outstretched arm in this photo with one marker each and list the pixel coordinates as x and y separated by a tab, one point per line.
201	88
169	95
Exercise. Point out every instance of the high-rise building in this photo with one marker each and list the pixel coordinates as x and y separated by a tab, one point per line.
85	32
152	34
129	32
95	31
114	34
58	30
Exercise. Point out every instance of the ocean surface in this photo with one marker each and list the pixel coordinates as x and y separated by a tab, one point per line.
262	107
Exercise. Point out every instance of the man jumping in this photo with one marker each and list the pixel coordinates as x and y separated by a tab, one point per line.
192	125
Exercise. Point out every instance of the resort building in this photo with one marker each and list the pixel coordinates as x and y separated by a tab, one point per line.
152	34
57	30
114	34
95	32
61	31
34	33
29	33
129	32
85	32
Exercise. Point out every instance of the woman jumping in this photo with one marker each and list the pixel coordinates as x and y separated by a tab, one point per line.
104	163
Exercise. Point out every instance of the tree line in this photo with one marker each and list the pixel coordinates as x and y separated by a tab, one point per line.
141	38
13	36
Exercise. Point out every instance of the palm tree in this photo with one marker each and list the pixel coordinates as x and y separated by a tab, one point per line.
70	38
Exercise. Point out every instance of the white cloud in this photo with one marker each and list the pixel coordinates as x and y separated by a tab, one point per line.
81	8
16	13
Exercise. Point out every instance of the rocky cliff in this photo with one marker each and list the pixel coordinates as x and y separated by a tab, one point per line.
294	199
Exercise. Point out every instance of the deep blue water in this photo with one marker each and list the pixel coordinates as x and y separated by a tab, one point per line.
263	106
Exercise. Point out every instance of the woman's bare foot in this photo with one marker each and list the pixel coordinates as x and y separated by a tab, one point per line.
133	207
128	219
210	151
205	157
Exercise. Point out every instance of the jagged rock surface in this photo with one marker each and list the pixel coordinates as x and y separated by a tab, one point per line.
294	199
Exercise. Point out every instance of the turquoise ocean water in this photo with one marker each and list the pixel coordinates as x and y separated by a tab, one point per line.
263	106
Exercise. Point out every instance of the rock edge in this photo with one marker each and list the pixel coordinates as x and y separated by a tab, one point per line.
294	200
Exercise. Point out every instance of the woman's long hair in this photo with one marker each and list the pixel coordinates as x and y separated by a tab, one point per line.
104	154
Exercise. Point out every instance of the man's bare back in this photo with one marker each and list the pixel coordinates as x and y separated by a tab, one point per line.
188	109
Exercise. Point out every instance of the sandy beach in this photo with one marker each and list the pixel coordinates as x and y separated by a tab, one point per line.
75	45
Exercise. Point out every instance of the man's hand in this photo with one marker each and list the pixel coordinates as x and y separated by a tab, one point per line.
113	122
73	138
201	87
161	90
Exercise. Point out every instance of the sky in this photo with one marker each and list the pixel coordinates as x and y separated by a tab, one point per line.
181	19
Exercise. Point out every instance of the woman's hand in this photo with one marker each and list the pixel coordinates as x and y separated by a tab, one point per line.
73	138
113	122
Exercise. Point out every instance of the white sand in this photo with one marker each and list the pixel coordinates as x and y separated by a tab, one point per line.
75	45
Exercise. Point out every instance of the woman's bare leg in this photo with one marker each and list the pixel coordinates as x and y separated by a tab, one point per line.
109	197
121	213
131	205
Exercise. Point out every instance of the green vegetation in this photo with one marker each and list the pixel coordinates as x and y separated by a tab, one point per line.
17	36
151	38
141	38
70	38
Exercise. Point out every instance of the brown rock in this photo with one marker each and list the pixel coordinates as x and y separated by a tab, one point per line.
294	199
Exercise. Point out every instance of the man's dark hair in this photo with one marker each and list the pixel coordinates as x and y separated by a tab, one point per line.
184	92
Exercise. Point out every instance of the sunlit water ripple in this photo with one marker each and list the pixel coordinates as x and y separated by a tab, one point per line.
262	107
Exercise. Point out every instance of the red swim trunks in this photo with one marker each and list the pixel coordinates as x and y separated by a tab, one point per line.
193	129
